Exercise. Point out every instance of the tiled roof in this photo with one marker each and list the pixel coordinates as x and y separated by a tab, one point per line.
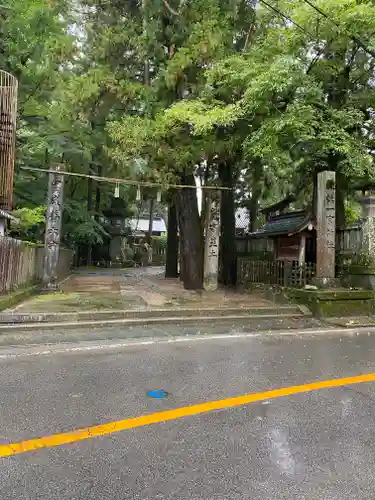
289	223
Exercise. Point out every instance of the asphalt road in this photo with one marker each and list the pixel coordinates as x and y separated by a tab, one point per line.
313	445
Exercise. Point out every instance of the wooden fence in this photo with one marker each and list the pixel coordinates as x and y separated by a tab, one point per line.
349	240
246	245
159	255
274	272
22	263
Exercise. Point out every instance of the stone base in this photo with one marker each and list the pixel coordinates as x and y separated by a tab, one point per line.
116	265
50	288
210	283
361	277
324	283
325	303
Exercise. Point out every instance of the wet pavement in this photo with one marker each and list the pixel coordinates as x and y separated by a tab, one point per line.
317	445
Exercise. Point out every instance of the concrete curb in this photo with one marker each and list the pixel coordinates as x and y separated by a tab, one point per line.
143	315
38	326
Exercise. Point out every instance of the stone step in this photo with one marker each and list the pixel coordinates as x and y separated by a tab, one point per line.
181	320
139	315
50	338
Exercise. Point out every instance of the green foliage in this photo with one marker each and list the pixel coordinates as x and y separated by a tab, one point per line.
80	226
29	217
128	253
295	102
227	83
352	213
361	259
30	223
67	93
159	241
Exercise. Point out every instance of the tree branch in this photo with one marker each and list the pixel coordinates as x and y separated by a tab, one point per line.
317	57
248	36
171	10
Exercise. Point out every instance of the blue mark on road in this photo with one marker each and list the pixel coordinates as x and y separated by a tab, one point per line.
157	394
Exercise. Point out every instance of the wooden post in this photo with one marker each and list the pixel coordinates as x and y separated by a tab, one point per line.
302	250
212	240
53	229
302	258
171	265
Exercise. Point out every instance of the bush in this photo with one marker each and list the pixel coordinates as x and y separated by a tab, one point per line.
30	224
159	241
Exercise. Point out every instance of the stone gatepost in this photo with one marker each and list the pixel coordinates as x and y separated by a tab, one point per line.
326	227
368	228
53	228
212	240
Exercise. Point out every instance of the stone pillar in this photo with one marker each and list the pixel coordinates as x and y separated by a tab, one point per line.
116	213
53	229
212	240
326	227
368	229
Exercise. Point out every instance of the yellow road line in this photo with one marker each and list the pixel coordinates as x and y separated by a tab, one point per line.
164	416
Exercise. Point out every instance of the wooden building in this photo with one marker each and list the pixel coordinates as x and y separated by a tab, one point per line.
293	236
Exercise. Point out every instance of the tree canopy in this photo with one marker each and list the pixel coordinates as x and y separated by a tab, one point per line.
277	90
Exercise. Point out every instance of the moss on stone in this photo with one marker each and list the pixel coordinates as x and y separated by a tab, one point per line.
361	270
344	308
75	301
335	302
15	297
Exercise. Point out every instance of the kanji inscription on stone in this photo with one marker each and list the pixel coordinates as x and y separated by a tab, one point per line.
326	225
53	229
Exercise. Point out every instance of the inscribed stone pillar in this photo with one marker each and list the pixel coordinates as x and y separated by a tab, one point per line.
326	226
212	237
53	229
368	228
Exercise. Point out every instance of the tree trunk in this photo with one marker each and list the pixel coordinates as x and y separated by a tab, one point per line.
171	267
314	202
182	272
89	209
340	202
228	253
181	254
98	194
204	182
191	236
256	191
